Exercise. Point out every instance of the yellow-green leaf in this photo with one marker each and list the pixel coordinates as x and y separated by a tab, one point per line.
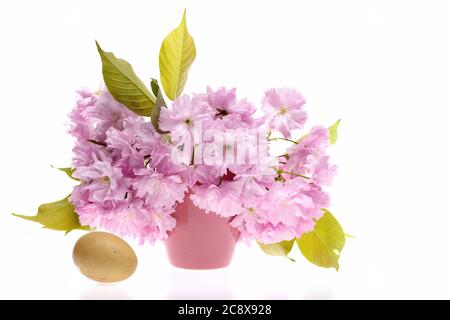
324	244
59	215
68	172
282	248
175	58
333	132
124	85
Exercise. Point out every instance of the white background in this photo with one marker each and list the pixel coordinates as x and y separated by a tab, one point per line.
381	66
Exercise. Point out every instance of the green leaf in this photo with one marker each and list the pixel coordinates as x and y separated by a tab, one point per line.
333	132
59	215
324	244
158	105
176	55
68	171
124	85
155	87
281	249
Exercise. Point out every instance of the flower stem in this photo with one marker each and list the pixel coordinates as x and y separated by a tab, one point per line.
284	139
294	174
99	143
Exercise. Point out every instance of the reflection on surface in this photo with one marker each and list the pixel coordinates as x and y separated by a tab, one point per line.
102	291
199	284
319	294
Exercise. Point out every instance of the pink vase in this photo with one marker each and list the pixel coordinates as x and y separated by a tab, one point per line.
200	240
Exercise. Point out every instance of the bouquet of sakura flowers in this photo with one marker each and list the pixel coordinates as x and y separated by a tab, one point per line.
142	150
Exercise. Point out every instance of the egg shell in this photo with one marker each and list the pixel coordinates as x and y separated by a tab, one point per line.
104	257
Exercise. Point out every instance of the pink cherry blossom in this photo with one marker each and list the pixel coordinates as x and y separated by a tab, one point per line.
131	219
221	200
107	113
283	109
309	158
80	128
286	211
131	185
221	99
185	112
225	102
159	191
102	179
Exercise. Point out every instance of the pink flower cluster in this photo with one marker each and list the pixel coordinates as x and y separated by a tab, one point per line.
130	184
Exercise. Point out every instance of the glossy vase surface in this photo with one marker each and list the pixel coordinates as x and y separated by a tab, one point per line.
200	240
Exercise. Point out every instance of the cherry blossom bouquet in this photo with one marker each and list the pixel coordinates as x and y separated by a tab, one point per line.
137	157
